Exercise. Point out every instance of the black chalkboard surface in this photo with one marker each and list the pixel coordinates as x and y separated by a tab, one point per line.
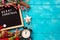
10	17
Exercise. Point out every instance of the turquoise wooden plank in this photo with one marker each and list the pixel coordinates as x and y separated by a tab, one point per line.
44	11
44	2
46	36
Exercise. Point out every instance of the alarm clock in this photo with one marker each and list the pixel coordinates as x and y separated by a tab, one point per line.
26	33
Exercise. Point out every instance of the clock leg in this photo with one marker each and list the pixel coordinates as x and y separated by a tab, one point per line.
28	39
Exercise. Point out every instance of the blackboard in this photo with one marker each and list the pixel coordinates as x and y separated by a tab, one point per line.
11	17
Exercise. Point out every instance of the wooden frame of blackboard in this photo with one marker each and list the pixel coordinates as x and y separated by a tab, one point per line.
17	25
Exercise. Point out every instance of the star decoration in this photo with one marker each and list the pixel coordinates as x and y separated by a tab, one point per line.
4	25
27	19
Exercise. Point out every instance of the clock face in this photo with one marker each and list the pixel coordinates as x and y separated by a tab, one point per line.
26	33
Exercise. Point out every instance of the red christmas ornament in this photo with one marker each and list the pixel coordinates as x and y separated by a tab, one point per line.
17	38
5	39
1	27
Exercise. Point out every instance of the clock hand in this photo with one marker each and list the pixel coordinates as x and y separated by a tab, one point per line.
25	32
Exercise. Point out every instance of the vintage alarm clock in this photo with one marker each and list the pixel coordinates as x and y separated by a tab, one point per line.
26	33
